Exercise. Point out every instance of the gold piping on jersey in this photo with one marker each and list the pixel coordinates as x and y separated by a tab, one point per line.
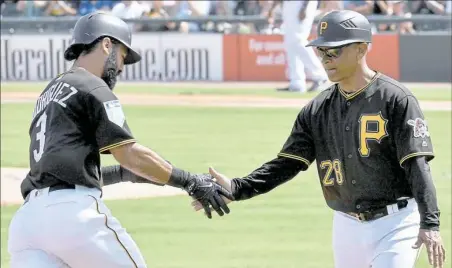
114	232
296	157
408	156
114	145
349	96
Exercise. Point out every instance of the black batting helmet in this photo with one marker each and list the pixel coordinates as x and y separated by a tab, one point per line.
338	28
93	26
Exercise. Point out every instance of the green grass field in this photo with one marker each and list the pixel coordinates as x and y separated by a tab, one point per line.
290	227
437	93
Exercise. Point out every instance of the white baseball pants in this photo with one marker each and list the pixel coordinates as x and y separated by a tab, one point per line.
301	60
383	243
69	228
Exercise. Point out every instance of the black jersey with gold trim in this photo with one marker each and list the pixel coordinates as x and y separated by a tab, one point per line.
76	118
360	141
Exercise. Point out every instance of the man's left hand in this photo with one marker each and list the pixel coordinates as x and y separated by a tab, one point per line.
435	247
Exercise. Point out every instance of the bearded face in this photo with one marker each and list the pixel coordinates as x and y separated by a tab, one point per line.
111	72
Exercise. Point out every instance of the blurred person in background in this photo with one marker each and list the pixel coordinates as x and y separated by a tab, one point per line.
400	10
252	8
270	27
424	7
61	8
298	17
12	8
23	8
327	6
131	10
36	8
192	9
158	11
171	7
223	9
427	6
89	6
448	9
383	8
274	20
363	7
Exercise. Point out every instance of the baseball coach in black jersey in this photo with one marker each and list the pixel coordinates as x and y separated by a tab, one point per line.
64	222
371	144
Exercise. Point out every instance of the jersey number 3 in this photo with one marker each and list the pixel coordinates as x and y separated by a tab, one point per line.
330	166
40	137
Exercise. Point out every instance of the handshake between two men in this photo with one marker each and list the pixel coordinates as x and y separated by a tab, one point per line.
210	191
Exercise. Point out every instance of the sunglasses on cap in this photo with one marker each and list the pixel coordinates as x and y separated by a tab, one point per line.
332	52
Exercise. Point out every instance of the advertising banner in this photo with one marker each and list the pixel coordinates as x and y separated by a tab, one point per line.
177	57
257	58
215	57
33	57
165	57
263	58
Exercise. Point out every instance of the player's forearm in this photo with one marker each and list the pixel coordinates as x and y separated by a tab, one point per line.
424	192
149	165
144	162
116	174
267	177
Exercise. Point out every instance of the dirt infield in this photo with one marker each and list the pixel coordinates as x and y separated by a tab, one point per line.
11	177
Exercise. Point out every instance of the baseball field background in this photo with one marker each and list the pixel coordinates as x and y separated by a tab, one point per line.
234	127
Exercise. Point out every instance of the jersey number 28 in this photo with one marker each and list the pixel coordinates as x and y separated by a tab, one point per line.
330	166
40	137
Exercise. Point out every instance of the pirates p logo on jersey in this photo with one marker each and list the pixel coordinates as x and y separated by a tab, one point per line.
419	128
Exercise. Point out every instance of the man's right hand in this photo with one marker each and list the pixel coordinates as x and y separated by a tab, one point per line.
219	179
206	192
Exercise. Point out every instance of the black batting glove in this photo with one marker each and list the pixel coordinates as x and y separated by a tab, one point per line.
209	193
203	189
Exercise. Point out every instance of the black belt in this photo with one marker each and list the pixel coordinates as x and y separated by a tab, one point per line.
377	213
62	186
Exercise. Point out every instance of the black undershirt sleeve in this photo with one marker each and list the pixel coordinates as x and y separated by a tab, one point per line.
420	179
116	174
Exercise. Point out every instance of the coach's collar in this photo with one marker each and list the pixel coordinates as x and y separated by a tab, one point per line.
349	96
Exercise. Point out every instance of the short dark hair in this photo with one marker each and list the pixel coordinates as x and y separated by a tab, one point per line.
84	49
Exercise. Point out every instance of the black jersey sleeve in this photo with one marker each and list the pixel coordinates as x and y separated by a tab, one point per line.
410	130
424	191
108	119
300	144
265	178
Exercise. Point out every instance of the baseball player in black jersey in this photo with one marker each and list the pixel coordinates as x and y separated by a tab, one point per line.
371	144
64	222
